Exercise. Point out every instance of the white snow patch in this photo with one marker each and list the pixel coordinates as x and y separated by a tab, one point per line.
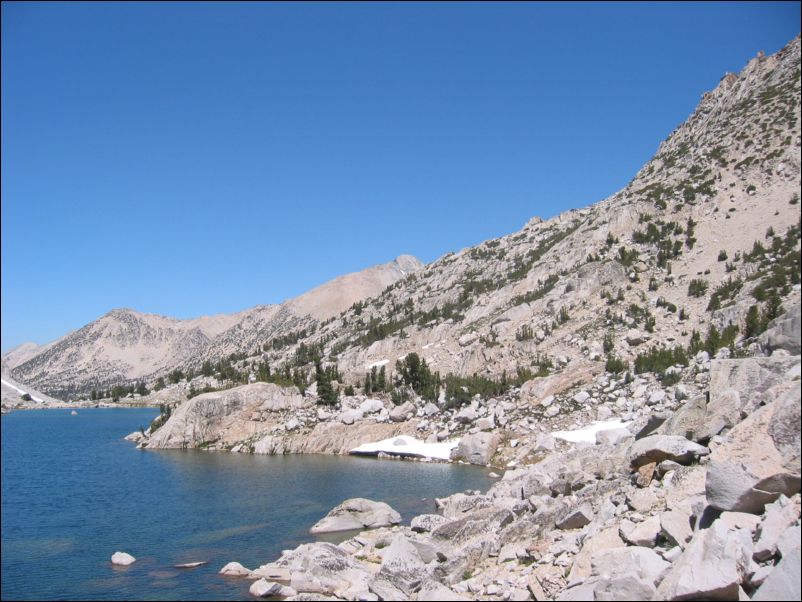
378	364
20	391
588	434
408	446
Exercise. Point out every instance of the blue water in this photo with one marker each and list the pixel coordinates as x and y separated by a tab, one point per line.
73	493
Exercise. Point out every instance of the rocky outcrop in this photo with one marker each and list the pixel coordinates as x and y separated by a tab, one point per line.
224	417
357	513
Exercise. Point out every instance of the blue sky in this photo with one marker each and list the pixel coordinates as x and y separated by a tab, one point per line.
188	159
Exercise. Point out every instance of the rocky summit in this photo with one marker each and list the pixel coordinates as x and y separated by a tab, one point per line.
632	368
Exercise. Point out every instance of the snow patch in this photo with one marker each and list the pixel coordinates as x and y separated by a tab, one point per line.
20	391
378	364
588	434
404	445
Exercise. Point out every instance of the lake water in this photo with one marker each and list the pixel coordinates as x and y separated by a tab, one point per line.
73	493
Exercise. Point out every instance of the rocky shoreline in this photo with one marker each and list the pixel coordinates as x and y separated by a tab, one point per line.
696	497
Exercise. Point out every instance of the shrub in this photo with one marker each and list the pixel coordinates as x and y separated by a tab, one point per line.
615	365
722	255
697	287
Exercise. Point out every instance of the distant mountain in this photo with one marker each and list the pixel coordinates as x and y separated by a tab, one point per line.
125	345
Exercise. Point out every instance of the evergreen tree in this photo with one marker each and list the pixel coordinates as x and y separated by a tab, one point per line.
327	395
381	384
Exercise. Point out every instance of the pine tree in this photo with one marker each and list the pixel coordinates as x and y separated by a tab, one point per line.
382	382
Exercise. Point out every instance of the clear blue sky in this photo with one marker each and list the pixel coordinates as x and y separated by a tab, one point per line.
189	159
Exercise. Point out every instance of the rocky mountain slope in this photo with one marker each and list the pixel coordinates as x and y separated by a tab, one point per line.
713	216
125	345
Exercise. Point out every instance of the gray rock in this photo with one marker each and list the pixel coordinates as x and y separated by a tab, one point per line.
269	589
712	566
424	523
432	591
235	569
371	406
623	588
730	487
430	409
688	421
657	448
784	332
789	540
759	459
613	436
477	448
783	583
402	412
402	570
272	572
479	523
320	568
576	518
779	517
642	534
486	424
676	526
122	559
636	563
466	415
544	443
357	513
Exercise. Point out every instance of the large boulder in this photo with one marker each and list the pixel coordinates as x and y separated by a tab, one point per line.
759	458
322	568
402	570
235	569
712	567
783	583
784	332
477	448
262	588
357	513
739	386
403	412
656	448
779	517
638	563
688	421
122	559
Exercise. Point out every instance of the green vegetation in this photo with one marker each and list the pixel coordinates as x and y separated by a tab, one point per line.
326	393
525	333
723	293
615	365
164	414
697	287
714	341
658	359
